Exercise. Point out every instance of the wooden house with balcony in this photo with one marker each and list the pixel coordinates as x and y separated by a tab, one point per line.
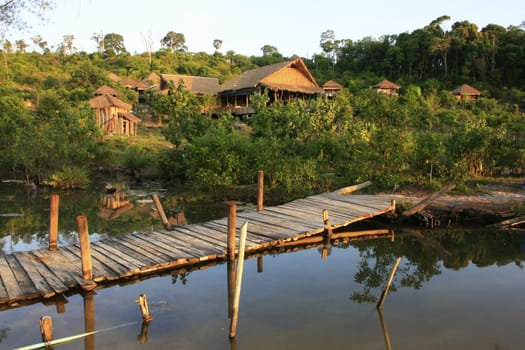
387	87
466	92
113	115
283	81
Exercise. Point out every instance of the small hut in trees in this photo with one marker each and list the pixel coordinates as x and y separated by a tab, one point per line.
197	85
112	114
284	81
387	87
128	82
114	78
466	93
150	82
332	88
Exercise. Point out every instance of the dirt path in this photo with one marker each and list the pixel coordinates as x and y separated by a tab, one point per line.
492	203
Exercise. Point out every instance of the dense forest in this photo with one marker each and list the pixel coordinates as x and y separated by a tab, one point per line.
424	135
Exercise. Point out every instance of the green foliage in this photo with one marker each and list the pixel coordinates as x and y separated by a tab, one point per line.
69	178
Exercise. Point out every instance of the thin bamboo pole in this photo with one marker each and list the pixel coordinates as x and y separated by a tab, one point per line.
389	283
53	221
85	247
71	338
238	285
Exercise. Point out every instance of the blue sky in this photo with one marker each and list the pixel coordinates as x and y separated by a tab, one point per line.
244	26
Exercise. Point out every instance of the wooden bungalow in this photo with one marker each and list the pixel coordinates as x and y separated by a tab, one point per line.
112	114
197	85
466	93
387	87
332	88
284	81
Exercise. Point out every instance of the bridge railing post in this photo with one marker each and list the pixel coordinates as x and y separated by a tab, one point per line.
260	190
85	247
232	222
53	221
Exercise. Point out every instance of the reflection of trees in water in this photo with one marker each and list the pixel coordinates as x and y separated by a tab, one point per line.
426	254
4	332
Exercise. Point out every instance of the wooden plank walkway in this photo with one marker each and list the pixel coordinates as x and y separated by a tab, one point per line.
43	274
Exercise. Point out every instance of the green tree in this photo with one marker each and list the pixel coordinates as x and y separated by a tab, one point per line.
114	45
174	42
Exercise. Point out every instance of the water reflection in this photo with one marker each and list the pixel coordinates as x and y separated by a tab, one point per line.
112	210
276	298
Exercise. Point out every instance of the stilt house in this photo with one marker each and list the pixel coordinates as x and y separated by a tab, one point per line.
112	114
284	81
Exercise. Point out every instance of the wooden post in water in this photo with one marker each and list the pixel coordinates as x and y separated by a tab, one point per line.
162	214
260	190
328	234
238	282
232	222
389	284
143	304
260	265
46	328
230	275
326	221
53	221
85	247
89	320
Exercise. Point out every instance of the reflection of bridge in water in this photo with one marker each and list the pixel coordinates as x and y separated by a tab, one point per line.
43	273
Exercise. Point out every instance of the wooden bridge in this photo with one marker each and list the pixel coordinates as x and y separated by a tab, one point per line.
44	273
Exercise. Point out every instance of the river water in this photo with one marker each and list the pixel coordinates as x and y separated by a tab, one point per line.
454	289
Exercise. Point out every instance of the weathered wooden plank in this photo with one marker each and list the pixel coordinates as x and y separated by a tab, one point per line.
199	232
120	256
38	281
113	259
100	271
174	254
137	251
14	291
65	266
194	240
357	209
4	297
47	275
251	239
197	252
272	230
113	268
147	247
29	291
296	217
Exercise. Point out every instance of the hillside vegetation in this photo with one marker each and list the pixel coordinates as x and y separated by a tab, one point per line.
423	136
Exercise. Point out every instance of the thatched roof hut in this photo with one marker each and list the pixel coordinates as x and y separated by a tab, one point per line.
105	90
112	114
466	92
331	88
387	87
